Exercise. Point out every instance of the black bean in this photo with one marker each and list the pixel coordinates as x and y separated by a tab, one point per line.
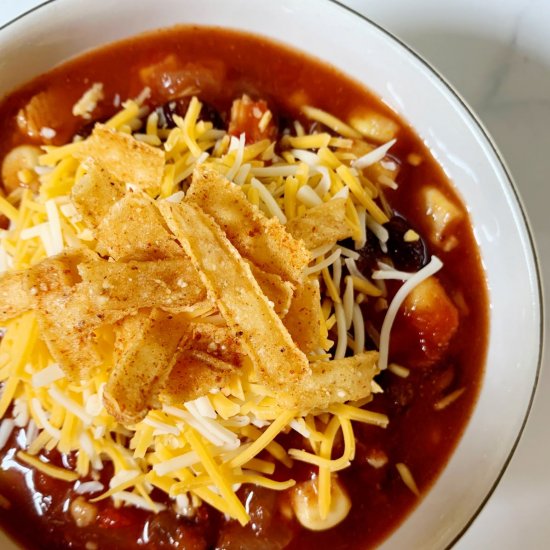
402	394
85	130
368	255
407	256
285	125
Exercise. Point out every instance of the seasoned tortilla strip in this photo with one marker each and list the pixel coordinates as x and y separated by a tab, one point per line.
124	157
133	229
277	360
146	348
194	375
263	241
275	288
321	225
14	296
70	336
338	381
303	320
221	342
95	192
211	356
172	285
65	317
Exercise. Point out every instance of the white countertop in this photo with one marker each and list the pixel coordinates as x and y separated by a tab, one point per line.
497	55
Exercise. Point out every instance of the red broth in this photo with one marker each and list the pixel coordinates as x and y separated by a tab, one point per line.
223	65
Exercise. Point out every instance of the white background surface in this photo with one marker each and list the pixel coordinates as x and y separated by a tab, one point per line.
497	54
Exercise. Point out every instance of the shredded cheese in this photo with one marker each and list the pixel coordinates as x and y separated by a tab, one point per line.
48	469
374	156
205	449
407	478
47	376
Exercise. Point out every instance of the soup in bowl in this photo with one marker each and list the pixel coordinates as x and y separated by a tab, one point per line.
252	285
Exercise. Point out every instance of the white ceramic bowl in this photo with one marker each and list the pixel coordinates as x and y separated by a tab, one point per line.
60	29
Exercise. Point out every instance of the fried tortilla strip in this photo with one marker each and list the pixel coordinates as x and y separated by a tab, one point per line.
66	318
172	285
263	241
276	359
14	295
303	320
145	351
133	229
193	377
125	158
321	225
95	192
339	381
275	288
220	342
212	355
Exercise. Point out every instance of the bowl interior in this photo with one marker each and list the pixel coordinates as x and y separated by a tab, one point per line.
59	30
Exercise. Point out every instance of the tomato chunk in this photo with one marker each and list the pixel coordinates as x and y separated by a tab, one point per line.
253	118
425	326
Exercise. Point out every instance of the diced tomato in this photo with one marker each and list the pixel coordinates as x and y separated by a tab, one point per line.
247	116
425	326
115	518
173	78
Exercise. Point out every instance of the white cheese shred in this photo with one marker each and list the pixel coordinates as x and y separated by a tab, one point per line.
162	427
6	428
342	194
210	429
43	419
407	478
379	230
89	487
324	263
176	197
348	302
348	253
321	251
274	171
358	330
204	407
337	273
353	269
342	343
299	426
308	196
242	174
374	156
427	271
71	405
47	376
323	186
386	272
177	463
310	158
268	200
238	145
55	226
362	215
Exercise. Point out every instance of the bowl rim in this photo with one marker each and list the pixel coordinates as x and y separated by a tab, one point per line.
477	122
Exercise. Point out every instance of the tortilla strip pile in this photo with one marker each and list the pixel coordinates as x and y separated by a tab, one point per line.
160	275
